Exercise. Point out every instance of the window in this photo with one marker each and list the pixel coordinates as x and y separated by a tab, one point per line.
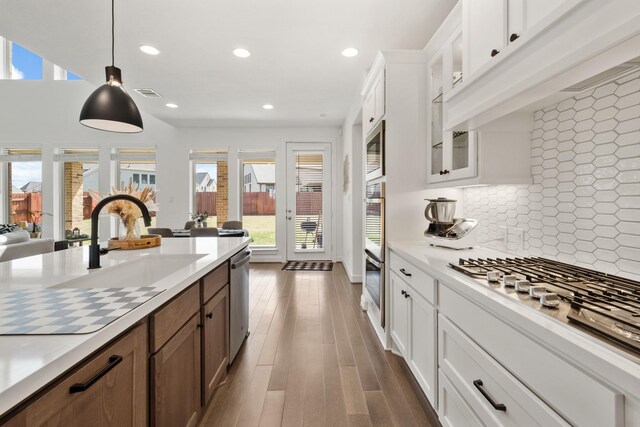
259	197
152	179
80	188
210	175
22	170
134	167
25	65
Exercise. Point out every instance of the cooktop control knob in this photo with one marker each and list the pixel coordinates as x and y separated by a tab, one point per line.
523	286
537	291
509	280
550	299
493	276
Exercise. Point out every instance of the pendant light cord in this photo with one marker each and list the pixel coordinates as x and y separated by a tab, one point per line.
113	37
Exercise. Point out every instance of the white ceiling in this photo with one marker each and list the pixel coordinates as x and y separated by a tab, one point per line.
295	64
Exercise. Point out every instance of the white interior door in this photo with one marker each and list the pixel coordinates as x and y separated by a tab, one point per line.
309	202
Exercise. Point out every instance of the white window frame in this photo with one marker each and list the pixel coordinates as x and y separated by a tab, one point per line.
202	156
60	157
5	158
257	154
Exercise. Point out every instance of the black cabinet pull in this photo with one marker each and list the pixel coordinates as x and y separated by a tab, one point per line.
403	271
445	172
199	325
494	52
80	387
371	119
403	292
209	315
513	37
441	172
496	406
406	295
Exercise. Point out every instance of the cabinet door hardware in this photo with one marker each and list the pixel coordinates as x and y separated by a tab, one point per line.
371	119
444	172
403	271
210	315
496	406
406	295
80	387
403	292
513	37
494	52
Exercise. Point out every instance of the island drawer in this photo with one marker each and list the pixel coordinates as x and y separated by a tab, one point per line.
560	384
109	388
167	320
214	281
483	383
419	280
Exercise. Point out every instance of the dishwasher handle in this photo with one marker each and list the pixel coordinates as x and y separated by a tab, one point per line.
243	261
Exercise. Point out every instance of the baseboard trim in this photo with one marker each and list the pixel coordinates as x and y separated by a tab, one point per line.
353	278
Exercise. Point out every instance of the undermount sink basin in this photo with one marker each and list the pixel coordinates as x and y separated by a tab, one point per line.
143	271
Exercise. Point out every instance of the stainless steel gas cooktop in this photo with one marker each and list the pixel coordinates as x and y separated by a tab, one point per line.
605	306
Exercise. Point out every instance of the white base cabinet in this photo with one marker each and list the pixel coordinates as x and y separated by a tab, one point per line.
414	327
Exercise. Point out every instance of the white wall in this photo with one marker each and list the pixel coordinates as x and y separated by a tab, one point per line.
352	239
44	114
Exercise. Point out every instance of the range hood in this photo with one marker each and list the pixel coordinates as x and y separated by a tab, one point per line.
604	76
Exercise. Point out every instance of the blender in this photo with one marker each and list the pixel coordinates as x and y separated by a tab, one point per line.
444	229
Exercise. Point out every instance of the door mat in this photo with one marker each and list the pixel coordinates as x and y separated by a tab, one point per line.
308	266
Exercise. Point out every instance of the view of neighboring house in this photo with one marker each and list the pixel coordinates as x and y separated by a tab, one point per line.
15	190
142	175
30	187
259	178
204	183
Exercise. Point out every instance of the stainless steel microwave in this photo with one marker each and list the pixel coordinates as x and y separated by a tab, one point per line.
375	152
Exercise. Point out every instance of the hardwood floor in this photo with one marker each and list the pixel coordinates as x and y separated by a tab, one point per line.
313	359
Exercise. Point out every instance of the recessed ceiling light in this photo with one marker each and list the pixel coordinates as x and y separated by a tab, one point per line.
149	50
267	107
171	105
350	52
241	53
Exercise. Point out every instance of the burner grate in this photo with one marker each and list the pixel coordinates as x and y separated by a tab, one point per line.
606	304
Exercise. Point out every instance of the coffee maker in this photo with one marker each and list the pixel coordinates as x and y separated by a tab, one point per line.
444	229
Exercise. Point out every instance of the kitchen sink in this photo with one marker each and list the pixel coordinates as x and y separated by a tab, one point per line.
145	270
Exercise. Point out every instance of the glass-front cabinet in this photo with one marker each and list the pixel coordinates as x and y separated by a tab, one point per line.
451	154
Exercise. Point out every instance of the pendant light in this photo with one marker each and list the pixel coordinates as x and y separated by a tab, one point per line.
110	108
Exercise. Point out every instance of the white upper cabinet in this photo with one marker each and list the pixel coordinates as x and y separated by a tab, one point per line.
485	31
373	108
492	25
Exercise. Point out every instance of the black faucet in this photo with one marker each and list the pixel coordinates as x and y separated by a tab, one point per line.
94	247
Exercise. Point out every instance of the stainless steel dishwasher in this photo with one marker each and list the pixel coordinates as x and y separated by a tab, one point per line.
239	301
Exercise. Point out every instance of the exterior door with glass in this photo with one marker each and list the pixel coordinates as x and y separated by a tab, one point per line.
308	210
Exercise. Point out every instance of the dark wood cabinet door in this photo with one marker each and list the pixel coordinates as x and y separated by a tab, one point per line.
215	342
175	378
109	389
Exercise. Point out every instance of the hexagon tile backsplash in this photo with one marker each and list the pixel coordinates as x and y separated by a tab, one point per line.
584	205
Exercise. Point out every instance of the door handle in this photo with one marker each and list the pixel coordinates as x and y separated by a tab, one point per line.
80	387
496	406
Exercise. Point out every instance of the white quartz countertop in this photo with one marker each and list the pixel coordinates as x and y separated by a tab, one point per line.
608	364
29	362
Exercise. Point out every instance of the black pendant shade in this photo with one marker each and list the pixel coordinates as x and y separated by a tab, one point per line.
110	107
